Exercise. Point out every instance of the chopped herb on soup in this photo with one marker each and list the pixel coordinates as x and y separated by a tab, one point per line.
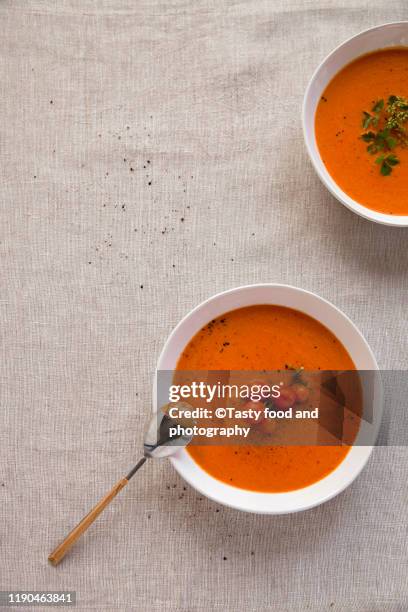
386	125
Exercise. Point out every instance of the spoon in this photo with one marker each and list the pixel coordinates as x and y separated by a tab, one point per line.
157	444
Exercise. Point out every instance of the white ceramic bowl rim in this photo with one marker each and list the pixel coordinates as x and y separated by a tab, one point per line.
308	118
286	295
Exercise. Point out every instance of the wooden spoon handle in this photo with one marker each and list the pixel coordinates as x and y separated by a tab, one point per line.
59	553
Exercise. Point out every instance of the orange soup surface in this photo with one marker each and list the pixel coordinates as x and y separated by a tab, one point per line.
266	337
339	127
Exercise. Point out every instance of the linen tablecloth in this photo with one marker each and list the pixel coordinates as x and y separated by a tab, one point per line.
152	155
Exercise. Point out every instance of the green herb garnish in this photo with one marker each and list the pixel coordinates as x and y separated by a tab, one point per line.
387	131
297	373
386	163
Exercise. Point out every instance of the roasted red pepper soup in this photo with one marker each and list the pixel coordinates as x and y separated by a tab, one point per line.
266	337
361	130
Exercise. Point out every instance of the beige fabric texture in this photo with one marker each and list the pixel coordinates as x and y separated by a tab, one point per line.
151	156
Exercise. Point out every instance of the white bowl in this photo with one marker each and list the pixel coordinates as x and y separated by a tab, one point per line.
387	35
345	331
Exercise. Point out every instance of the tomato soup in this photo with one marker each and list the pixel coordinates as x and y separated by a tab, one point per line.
266	337
359	91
